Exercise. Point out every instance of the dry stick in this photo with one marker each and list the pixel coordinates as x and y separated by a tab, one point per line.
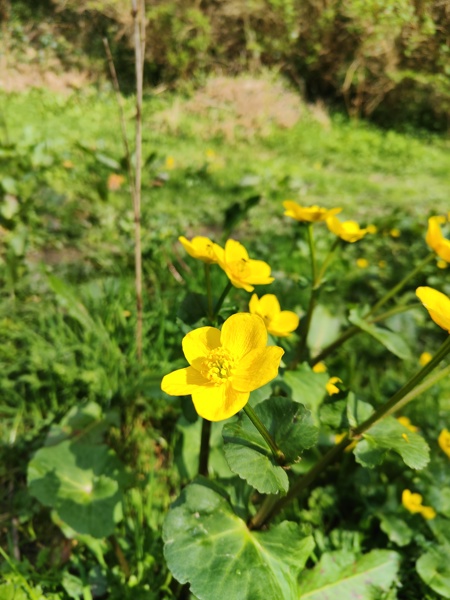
119	98
138	15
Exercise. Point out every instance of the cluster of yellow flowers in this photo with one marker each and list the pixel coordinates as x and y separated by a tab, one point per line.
225	366
413	502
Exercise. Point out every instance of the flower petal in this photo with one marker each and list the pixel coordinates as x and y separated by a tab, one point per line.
437	304
284	323
235	251
182	382
434	234
258	272
217	403
268	306
242	333
257	368
198	343
253	305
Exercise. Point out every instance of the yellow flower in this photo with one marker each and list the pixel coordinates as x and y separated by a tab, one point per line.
362	263
441	264
444	441
331	387
308	213
407	423
339	437
200	247
413	503
242	271
170	163
225	366
425	358
395	232
437	304
372	229
349	231
278	322
319	367
436	240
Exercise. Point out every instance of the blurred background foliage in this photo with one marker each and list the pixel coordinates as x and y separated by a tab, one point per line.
386	60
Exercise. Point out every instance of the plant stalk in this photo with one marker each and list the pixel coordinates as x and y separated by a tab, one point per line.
222	298
277	453
208	290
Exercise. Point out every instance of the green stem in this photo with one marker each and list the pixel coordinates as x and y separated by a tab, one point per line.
400	285
404	395
351	331
327	261
208	290
204	448
277	453
222	298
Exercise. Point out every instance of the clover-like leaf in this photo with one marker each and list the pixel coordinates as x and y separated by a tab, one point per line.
82	482
208	546
390	434
434	569
305	386
341	575
290	424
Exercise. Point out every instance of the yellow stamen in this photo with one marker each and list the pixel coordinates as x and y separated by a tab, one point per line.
218	366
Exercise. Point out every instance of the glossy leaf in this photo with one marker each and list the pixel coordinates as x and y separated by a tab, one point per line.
389	434
305	386
434	569
341	575
390	340
210	547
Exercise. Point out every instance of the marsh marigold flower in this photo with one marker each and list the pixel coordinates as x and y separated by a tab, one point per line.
435	238
413	502
320	367
437	304
242	271
278	322
331	386
362	263
407	423
225	366
200	247
444	441
349	231
308	213
425	358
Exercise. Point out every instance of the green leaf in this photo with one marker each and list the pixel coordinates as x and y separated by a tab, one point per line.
290	425
433	568
323	330
390	340
357	410
82	481
389	434
210	547
396	529
305	386
339	575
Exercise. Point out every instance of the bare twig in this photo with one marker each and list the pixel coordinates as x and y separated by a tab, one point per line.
138	14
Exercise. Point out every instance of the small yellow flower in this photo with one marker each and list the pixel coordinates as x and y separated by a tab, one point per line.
413	503
339	437
319	367
308	213
444	441
435	238
331	387
372	229
349	231
115	182
437	304
407	423
170	163
242	271
441	264
362	263
225	366
395	232
278	322
425	358
200	247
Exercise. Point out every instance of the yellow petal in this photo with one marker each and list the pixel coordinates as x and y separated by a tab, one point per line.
444	441
182	382
284	323
253	305
434	234
428	512
197	344
199	247
257	368
412	502
443	250
269	307
217	403
258	272
242	333
437	304
235	251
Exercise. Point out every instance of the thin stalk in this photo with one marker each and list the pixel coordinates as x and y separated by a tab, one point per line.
222	298
326	262
204	448
406	394
277	453
353	330
400	285
138	15
209	290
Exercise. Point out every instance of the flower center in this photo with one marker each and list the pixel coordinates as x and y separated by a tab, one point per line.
239	268
218	366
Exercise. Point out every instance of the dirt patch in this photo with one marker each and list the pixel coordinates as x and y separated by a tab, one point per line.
21	77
